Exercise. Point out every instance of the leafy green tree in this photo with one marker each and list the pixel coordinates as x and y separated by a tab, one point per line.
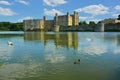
118	17
6	26
83	23
92	23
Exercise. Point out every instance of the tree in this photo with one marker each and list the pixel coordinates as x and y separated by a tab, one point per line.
92	23
118	17
6	26
83	23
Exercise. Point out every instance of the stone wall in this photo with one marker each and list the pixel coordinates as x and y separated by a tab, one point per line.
33	24
97	28
77	28
49	25
112	27
63	20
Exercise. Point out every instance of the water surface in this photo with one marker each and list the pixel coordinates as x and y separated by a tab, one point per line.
54	56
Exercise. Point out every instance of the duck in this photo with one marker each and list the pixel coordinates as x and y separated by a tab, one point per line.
77	62
10	43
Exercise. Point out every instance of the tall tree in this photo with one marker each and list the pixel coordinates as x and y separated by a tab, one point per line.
92	23
118	17
83	23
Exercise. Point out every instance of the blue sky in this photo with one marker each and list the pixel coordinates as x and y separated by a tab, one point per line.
89	10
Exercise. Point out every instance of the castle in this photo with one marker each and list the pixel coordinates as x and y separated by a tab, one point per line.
51	25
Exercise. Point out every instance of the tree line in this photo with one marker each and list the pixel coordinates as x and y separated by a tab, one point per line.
84	24
8	26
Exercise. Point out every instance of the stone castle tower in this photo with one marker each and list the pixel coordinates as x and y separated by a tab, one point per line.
56	19
66	20
75	18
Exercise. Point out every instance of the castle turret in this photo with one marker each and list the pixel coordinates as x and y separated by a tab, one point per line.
56	19
68	13
44	19
75	18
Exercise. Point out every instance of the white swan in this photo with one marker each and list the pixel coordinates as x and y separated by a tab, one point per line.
89	39
10	43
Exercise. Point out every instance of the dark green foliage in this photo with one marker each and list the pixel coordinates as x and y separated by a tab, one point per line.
118	17
7	26
83	23
92	23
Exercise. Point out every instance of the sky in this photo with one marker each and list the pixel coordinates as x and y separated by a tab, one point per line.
88	10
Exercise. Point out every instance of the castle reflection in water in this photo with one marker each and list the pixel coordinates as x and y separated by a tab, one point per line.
69	39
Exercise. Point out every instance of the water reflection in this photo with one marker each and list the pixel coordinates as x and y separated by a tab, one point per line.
114	41
95	50
18	71
60	56
60	39
55	58
96	44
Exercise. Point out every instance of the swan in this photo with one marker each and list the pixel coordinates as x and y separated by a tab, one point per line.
10	43
89	39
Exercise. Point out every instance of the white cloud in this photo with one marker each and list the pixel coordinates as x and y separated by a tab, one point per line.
95	20
52	12
89	18
19	70
54	3
82	18
117	7
6	12
23	2
24	18
94	9
115	15
3	2
55	58
95	49
117	50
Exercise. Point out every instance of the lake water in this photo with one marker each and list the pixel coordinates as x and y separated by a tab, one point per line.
60	56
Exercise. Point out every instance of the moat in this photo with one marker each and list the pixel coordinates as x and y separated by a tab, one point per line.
56	55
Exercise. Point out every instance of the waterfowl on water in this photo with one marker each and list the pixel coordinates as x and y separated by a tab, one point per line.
77	62
89	39
10	43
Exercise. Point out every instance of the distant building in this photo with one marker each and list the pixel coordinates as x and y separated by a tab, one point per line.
44	24
117	21
110	20
106	25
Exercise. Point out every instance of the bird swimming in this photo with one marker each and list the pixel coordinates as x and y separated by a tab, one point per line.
89	39
77	62
10	43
